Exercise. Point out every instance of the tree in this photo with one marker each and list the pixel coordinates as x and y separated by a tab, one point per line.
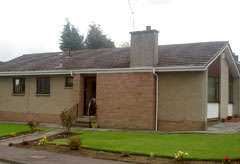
125	45
70	38
96	39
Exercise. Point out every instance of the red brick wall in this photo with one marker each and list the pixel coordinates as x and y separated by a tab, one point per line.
181	125
78	92
126	101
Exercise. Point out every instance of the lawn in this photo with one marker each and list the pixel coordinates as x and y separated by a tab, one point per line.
199	146
7	129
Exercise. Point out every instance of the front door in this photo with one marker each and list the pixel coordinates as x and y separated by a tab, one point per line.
89	96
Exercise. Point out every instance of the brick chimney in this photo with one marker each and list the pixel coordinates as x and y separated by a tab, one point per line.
144	48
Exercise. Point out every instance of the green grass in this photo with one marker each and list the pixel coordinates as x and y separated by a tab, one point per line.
199	146
6	129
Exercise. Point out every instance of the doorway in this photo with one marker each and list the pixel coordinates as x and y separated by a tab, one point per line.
89	105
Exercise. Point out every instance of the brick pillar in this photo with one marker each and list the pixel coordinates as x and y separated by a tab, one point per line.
78	92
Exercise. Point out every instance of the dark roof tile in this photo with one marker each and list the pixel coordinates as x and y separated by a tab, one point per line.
192	54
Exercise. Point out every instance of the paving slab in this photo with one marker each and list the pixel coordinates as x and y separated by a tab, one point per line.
28	156
29	137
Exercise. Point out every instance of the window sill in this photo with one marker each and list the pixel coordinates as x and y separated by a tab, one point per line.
18	94
38	94
68	87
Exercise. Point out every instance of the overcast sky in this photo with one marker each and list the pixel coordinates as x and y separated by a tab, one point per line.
32	26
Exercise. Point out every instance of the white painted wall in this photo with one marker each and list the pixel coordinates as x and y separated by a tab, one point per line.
230	109
213	110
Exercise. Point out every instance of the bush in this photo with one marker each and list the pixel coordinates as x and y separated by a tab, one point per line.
58	145
151	155
75	143
180	156
226	160
66	120
32	125
43	140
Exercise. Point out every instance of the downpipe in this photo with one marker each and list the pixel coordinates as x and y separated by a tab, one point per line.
156	119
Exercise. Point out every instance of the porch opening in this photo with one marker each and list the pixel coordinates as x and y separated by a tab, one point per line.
89	105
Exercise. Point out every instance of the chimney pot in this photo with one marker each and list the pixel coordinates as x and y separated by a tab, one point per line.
148	28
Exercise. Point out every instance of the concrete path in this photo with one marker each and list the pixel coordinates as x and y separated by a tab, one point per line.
28	156
225	128
219	128
29	137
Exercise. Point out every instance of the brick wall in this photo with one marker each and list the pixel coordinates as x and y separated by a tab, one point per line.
78	92
126	101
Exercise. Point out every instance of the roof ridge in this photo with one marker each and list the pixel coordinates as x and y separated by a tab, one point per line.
40	53
193	43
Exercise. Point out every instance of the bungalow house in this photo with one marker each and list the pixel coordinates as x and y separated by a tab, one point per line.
144	87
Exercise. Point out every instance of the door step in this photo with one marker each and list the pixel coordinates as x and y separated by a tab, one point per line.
84	122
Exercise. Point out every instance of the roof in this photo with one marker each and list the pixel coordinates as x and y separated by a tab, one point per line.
1	62
191	54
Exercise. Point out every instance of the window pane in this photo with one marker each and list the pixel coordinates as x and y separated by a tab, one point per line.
47	85
230	96
19	85
69	81
40	85
211	89
43	85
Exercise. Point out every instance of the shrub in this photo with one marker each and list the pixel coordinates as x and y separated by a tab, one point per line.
151	155
58	145
75	143
13	134
179	156
43	140
66	120
226	160
94	124
32	125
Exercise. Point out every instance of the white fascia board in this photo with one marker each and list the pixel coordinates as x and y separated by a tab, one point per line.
180	69
32	73
110	70
218	54
229	58
232	61
140	69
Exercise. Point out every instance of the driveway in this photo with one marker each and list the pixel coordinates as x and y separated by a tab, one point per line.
28	156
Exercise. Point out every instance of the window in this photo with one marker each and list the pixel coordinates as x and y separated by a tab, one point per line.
213	89
18	85
43	85
69	82
230	96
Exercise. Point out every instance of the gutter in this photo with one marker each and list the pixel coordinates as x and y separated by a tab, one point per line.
109	70
156	118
